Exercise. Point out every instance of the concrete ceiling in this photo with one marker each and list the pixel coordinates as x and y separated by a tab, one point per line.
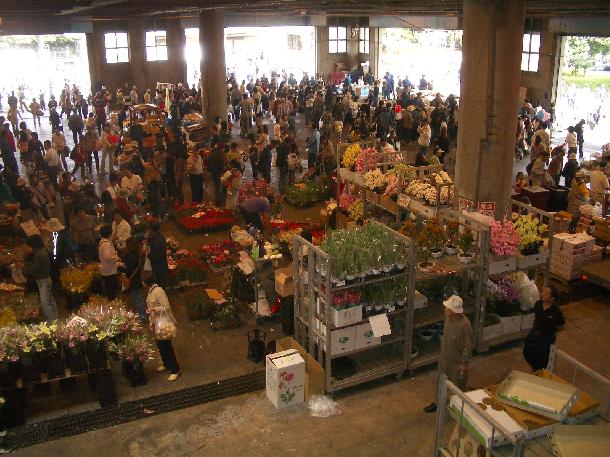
37	9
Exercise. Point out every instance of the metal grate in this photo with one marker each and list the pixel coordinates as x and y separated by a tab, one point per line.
75	424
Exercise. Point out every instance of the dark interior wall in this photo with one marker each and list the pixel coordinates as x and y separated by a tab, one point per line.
138	71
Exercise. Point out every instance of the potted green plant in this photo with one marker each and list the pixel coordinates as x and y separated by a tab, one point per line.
226	314
436	234
466	242
423	252
452	231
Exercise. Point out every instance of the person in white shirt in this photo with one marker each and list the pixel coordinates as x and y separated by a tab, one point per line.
113	186
51	157
121	230
599	185
194	168
131	182
544	136
109	263
58	142
571	141
425	134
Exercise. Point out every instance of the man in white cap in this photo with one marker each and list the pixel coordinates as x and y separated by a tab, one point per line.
456	346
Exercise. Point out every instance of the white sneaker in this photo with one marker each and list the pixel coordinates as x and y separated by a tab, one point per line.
174	376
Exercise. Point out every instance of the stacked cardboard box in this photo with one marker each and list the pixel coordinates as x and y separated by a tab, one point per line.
584	224
569	252
560	224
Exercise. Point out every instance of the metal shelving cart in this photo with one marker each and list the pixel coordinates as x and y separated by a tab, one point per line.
529	442
314	327
469	284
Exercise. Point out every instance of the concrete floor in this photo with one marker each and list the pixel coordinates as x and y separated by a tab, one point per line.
381	419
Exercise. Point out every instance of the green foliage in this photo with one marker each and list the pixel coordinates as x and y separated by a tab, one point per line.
228	310
466	241
305	194
584	51
592	82
437	289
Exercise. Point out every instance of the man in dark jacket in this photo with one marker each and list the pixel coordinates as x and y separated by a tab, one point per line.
157	254
217	165
282	150
38	267
570	169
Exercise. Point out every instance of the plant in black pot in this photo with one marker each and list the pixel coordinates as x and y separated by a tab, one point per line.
73	336
37	344
452	231
226	314
133	351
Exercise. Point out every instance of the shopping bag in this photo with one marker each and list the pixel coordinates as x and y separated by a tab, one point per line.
165	326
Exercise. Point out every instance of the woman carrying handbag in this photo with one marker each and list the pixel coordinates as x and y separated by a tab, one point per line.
163	323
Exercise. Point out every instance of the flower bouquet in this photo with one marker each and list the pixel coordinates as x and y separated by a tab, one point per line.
38	346
350	155
375	180
257	188
220	255
529	229
76	282
304	194
10	352
73	335
366	159
356	210
504	238
190	268
204	217
133	352
345	201
172	244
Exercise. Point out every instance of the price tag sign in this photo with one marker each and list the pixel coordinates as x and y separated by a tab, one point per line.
465	204
487	208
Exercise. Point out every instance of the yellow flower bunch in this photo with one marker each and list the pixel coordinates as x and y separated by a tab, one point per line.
356	210
77	280
350	155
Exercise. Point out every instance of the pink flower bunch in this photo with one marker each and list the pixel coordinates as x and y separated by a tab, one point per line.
346	200
504	238
392	187
366	159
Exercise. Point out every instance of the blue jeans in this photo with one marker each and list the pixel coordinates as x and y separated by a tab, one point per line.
137	296
47	302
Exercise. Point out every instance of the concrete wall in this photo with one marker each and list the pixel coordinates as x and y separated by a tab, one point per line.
138	70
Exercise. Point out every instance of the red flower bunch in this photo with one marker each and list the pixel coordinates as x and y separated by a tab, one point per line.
220	254
204	217
287	225
258	188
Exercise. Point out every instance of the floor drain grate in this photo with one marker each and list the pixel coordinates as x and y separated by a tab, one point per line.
75	424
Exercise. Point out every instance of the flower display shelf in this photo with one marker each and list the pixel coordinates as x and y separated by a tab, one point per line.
313	317
467	280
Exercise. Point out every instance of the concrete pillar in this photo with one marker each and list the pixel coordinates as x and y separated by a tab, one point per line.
176	43
94	64
489	97
213	68
137	56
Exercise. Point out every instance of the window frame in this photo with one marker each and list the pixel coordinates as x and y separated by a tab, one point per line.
336	43
364	42
156	52
120	52
528	52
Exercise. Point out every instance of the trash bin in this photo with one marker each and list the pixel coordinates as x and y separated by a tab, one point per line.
558	198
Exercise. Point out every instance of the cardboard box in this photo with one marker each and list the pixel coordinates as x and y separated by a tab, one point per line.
511	324
341	340
527	321
497	266
364	336
285	378
314	373
347	316
530	261
284	281
493	331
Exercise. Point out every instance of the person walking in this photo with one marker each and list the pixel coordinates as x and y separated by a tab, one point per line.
108	147
131	275
157	253
36	111
76	126
38	267
456	346
548	319
109	263
580	139
217	165
163	323
194	168
51	157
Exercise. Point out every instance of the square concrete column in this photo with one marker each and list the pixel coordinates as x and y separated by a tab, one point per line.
213	68
137	55
489	98
176	43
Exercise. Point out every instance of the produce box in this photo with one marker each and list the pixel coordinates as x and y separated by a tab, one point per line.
285	378
510	324
347	316
284	281
499	265
529	261
581	440
527	321
585	407
365	337
493	331
541	396
314	373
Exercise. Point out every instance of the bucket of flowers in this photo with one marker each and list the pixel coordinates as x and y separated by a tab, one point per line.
226	314
38	346
10	354
530	230
73	335
76	282
466	242
133	351
452	232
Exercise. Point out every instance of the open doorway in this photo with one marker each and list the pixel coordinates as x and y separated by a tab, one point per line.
251	52
583	89
43	64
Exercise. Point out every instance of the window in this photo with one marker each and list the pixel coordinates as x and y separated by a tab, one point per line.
337	40
363	40
156	45
531	52
117	48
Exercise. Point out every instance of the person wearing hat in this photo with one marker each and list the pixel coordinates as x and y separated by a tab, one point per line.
37	266
456	346
570	169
